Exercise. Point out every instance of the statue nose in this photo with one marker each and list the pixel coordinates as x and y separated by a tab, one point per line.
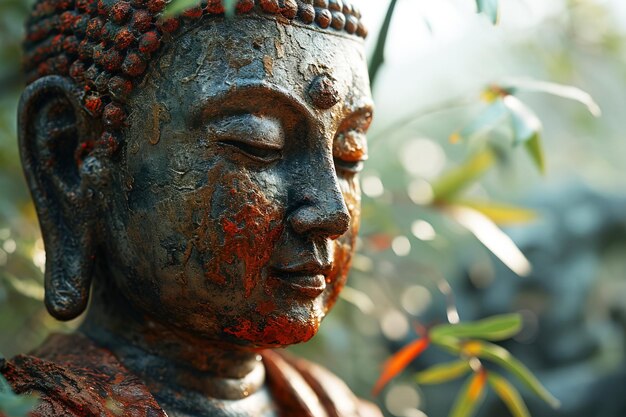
322	215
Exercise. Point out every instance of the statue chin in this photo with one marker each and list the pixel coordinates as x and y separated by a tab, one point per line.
276	332
196	179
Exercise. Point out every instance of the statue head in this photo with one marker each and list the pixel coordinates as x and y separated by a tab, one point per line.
203	167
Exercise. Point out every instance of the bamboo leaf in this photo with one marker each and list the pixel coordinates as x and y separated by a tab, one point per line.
5	387
470	396
359	299
535	150
509	395
398	362
459	178
490	8
486	120
26	288
178	6
525	122
559	90
378	57
229	7
526	129
503	357
493	328
450	344
17	406
490	235
500	214
13	405
443	372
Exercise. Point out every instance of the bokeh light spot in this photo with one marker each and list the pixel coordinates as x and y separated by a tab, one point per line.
394	325
420	192
423	158
401	246
9	246
401	398
416	299
423	230
372	186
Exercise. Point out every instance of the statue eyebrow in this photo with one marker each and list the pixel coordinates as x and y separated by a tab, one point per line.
248	94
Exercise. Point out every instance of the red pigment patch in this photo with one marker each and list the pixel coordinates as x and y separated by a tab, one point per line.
114	116
149	42
277	331
141	20
134	65
249	237
169	25
242	237
123	39
193	13
265	307
94	105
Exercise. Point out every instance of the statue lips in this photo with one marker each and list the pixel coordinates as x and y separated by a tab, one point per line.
307	278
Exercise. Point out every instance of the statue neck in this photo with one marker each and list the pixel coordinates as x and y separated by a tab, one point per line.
170	361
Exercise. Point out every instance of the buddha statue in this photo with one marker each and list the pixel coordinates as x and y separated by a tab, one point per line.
196	183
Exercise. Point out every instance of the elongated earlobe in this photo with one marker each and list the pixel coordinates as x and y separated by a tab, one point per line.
51	126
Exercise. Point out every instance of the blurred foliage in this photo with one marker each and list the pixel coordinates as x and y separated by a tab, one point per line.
456	104
12	405
444	153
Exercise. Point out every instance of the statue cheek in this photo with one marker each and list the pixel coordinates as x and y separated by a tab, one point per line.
240	225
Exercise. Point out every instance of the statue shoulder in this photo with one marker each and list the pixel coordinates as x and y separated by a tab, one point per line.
314	387
74	377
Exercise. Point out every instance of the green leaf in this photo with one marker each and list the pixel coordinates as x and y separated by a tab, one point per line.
490	235
559	90
229	7
525	122
24	287
500	214
489	8
14	405
509	395
178	6
359	299
459	178
443	372
489	118
503	357
526	129
378	56
470	396
5	387
450	344
535	150
493	328
17	405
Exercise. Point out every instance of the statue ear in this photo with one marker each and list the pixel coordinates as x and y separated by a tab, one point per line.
51	125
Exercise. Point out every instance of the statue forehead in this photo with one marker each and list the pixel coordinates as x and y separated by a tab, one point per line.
220	55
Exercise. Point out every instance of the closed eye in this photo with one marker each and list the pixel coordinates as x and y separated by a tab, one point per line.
255	152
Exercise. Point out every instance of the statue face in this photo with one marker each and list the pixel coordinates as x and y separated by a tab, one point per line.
235	204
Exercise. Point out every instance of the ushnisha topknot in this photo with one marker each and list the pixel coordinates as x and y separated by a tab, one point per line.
105	45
